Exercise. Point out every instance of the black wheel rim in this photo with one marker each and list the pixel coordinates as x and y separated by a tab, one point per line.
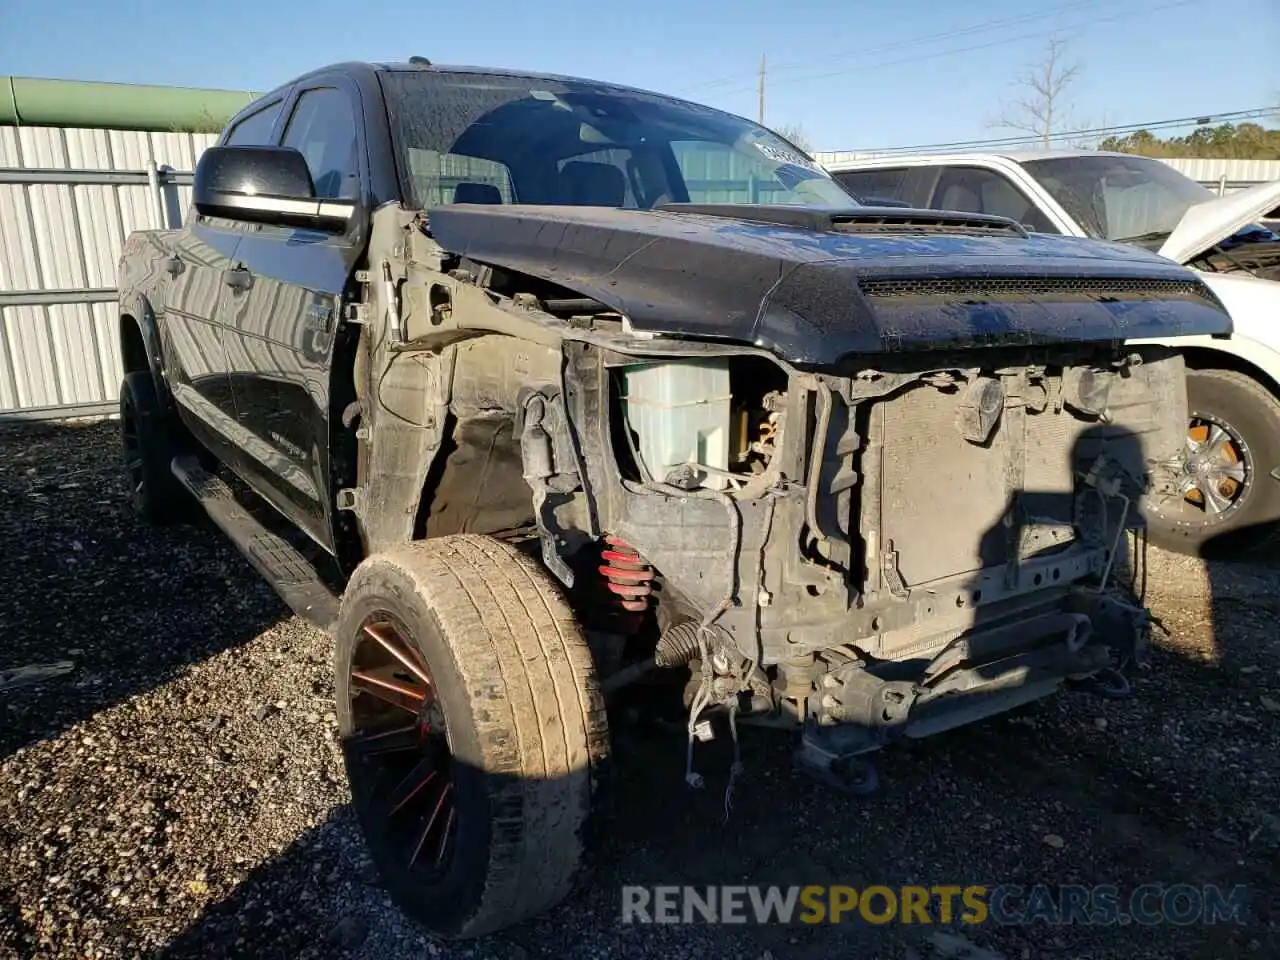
132	450
398	750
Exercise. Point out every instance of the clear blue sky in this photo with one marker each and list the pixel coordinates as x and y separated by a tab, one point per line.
851	73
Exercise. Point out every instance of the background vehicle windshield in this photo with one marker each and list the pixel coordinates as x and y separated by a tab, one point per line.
1130	199
482	138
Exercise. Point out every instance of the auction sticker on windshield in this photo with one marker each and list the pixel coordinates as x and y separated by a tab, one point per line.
780	155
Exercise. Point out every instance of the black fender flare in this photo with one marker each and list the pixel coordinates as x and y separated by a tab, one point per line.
137	308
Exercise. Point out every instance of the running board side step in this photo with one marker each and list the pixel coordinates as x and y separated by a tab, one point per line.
288	571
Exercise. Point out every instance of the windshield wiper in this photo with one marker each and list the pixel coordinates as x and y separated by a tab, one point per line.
1145	237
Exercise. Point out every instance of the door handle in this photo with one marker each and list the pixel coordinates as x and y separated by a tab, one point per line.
174	265
238	278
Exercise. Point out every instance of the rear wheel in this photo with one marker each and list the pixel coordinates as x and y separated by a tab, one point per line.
149	449
1230	503
472	723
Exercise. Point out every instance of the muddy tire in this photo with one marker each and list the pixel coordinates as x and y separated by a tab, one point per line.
1237	420
148	446
472	725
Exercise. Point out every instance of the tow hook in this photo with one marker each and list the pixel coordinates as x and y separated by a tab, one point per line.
1109	683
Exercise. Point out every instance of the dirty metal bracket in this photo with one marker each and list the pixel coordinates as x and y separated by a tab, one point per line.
391	298
350	498
538	455
892	576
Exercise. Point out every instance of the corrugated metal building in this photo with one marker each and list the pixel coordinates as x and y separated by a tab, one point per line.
1228	175
68	198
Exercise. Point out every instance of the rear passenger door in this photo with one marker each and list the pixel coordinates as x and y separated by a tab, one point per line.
968	189
283	323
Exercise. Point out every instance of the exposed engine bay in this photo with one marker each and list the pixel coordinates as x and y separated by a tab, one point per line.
894	552
885	554
888	545
835	491
1257	253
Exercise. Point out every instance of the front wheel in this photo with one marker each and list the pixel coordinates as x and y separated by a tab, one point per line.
1230	503
472	723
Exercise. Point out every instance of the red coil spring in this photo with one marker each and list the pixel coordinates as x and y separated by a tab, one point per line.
627	576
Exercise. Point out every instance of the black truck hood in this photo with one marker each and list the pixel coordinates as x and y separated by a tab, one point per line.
815	286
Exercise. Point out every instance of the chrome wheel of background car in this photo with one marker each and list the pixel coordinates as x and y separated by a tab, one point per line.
1225	503
400	746
1216	467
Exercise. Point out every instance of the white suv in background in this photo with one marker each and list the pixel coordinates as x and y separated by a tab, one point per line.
1231	467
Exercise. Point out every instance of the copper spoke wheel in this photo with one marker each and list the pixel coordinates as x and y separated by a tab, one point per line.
400	745
471	721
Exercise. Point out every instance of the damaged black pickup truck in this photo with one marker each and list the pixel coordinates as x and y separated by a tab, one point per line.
577	387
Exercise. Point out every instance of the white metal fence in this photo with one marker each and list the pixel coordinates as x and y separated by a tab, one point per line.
68	198
1227	176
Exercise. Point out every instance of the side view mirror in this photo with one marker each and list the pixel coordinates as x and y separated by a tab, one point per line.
265	185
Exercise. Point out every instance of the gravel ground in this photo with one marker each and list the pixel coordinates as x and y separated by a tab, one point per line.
181	790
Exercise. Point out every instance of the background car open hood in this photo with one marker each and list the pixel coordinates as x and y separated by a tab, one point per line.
816	286
1209	223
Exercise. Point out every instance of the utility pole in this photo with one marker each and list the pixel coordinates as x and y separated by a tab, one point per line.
760	93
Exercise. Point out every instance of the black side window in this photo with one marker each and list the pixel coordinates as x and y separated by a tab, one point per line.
975	190
255	129
884	182
323	129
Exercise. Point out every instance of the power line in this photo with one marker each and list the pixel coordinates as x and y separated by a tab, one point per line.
760	94
909	42
969	49
1199	119
1100	132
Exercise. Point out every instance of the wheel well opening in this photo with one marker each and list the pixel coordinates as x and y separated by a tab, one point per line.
476	482
133	349
1199	358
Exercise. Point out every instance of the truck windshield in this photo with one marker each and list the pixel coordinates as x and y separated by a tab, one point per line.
1129	199
485	138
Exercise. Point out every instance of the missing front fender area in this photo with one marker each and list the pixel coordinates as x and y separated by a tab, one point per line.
889	552
506	464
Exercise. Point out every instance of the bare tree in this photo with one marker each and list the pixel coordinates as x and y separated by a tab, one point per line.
1041	107
795	133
